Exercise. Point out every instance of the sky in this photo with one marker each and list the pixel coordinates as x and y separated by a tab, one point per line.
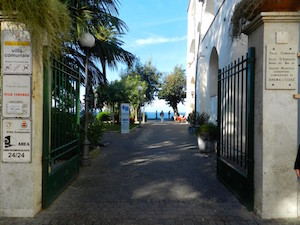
157	31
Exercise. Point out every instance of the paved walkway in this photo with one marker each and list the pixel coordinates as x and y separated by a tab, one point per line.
154	175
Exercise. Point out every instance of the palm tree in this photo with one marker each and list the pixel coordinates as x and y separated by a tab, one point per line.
109	45
99	18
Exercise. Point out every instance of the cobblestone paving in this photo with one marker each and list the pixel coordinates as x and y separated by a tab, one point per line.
154	175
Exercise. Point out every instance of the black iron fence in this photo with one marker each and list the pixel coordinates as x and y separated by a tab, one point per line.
236	124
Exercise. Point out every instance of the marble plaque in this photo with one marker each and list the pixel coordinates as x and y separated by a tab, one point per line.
281	67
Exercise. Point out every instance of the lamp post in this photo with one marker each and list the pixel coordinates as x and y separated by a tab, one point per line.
144	109
95	99
140	88
86	41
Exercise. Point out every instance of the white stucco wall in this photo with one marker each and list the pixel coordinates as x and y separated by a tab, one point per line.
276	112
21	183
217	36
194	27
276	126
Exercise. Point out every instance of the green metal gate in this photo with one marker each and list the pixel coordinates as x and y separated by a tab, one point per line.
61	129
236	127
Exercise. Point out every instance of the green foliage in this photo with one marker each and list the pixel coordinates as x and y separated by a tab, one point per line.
147	73
95	129
99	17
115	127
197	119
203	126
131	84
210	129
103	116
173	88
46	20
202	119
244	11
192	118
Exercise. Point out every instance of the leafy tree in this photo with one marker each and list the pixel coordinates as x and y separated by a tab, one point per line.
173	88
148	74
131	84
112	95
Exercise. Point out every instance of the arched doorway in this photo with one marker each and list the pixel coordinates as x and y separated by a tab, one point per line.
212	84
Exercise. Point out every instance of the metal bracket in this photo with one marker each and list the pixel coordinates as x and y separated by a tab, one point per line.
296	96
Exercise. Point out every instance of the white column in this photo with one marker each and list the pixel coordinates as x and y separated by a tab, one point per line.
21	182
275	37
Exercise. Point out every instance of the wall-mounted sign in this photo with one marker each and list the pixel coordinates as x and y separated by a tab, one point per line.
16	140
125	122
16	52
281	67
16	96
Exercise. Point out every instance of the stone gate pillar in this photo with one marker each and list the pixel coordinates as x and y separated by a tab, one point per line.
275	37
21	124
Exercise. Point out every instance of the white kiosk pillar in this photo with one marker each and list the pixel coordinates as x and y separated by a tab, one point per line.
275	37
21	124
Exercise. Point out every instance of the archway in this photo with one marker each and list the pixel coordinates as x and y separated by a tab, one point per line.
213	85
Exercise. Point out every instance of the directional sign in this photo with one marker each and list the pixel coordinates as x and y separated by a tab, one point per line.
125	122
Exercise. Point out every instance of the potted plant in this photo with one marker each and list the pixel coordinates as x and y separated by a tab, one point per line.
205	131
247	10
197	119
207	136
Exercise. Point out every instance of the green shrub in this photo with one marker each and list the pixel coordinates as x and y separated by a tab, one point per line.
202	119
197	119
103	116
95	129
192	118
210	129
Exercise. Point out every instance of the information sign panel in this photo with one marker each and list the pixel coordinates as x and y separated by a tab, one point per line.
16	140
16	52
125	122
281	67
16	96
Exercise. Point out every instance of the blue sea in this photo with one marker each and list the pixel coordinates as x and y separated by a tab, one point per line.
152	115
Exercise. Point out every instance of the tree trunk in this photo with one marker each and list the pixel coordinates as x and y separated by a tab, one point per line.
103	69
113	113
175	109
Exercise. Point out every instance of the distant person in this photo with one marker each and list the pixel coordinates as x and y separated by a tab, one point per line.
162	116
169	113
156	115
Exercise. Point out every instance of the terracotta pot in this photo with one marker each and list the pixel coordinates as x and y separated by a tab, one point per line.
279	6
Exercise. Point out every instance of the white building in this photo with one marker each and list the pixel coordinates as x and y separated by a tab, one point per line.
258	121
208	24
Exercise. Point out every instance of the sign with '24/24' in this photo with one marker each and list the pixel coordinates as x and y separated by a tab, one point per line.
16	143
